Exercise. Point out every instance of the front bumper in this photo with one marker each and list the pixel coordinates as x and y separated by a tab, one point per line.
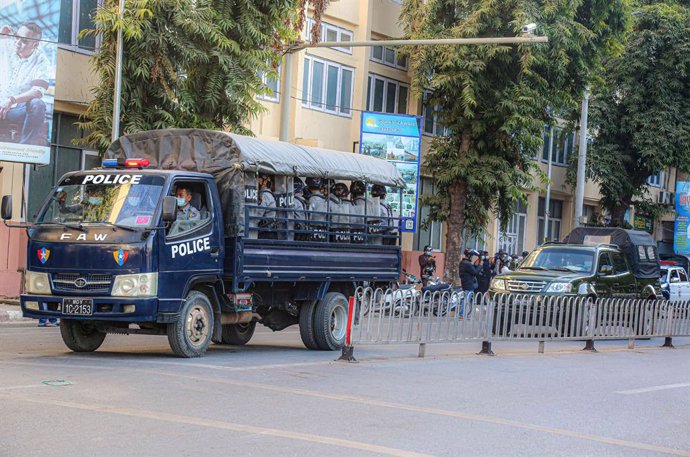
104	308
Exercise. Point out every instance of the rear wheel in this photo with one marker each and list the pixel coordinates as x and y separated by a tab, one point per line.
306	325
191	334
330	322
238	334
80	336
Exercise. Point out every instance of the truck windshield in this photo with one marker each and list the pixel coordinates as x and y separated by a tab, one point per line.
125	204
559	259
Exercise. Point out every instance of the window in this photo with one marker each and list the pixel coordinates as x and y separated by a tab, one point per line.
433	235
273	84
656	180
563	144
619	263
512	240
193	217
64	157
683	276
555	220
389	56
330	32
389	96
75	16
327	86
604	261
432	126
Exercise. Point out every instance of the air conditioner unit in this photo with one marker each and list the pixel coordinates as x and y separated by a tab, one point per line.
667	198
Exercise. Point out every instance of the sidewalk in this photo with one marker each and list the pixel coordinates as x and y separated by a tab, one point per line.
10	312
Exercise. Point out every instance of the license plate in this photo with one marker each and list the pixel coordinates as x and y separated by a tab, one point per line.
77	306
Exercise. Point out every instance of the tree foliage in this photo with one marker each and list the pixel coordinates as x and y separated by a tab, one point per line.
640	111
188	63
494	99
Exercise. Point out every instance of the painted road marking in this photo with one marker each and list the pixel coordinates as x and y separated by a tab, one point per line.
644	390
222	425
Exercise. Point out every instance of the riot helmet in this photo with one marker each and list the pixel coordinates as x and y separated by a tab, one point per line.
377	190
357	189
340	190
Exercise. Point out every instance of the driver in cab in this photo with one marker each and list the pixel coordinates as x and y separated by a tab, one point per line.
185	210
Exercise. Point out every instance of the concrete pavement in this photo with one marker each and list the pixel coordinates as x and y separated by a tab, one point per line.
273	397
10	312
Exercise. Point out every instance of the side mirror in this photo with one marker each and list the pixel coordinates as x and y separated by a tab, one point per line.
676	279
7	207
606	270
169	209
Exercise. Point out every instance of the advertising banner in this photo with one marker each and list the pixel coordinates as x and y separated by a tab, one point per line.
398	139
28	57
681	236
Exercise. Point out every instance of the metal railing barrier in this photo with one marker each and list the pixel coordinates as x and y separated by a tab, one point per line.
410	315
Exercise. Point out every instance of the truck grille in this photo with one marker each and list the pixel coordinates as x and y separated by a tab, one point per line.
86	283
526	287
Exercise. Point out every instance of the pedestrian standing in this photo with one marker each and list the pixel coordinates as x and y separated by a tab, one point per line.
469	275
486	273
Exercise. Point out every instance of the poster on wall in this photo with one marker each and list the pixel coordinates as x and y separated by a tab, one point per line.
28	58
681	235
396	138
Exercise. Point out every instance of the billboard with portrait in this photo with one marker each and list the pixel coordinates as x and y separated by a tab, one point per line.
398	139
28	57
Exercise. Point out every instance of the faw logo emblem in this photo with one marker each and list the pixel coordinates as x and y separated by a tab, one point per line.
43	255
120	256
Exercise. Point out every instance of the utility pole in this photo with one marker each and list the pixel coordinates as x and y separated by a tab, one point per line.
581	161
547	203
118	77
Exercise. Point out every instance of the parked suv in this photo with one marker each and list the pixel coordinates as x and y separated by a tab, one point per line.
591	262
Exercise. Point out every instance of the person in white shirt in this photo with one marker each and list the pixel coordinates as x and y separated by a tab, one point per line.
23	82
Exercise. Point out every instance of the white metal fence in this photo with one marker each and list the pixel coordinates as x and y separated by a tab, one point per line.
409	316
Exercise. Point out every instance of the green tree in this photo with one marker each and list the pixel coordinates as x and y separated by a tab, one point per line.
640	111
495	99
189	63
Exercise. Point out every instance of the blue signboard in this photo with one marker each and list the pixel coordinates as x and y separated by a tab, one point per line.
398	139
681	236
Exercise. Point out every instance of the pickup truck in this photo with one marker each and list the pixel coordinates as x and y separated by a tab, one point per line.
674	283
110	252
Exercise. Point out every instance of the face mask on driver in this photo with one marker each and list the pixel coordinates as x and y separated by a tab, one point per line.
181	201
95	200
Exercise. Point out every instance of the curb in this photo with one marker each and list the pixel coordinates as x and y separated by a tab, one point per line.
12	316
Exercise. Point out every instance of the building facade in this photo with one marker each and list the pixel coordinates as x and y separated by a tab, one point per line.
321	106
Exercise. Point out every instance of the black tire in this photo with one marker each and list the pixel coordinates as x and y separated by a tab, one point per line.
330	321
80	336
191	334
238	334
306	325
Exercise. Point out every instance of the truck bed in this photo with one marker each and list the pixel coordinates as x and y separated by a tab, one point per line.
259	260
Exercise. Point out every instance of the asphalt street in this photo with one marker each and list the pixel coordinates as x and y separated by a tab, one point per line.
273	397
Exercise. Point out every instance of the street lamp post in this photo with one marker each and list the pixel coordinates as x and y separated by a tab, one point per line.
581	161
118	76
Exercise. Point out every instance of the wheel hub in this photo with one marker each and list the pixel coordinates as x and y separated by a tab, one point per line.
196	326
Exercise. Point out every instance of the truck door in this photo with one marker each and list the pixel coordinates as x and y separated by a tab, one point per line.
191	246
624	285
605	276
684	285
674	285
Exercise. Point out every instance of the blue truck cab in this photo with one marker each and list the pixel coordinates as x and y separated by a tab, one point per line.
171	237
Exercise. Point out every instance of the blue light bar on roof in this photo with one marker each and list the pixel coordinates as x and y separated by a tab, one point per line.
109	163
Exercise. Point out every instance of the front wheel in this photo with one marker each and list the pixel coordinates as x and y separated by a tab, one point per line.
238	334
190	335
80	336
330	322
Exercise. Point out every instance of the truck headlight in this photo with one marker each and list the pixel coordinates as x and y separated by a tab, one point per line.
498	284
560	287
139	285
36	283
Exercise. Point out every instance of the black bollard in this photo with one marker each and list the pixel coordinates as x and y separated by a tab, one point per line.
347	354
668	343
589	346
486	349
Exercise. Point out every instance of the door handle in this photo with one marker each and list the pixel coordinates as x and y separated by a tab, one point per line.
215	252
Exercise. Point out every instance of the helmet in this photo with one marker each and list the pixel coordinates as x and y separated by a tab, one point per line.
340	190
314	183
472	252
357	188
377	190
297	186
